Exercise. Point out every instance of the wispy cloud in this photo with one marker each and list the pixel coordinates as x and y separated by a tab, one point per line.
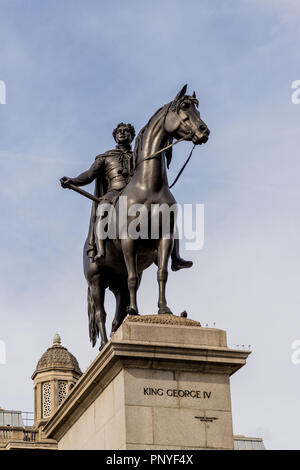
75	69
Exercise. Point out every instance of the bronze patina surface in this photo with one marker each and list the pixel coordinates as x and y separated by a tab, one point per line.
118	263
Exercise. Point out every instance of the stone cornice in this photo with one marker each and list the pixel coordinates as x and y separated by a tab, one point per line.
119	352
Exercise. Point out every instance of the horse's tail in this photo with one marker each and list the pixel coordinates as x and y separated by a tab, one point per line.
93	327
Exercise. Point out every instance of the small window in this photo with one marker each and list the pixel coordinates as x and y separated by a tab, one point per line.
46	400
62	391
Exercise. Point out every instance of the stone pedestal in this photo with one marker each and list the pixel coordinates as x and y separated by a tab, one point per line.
162	382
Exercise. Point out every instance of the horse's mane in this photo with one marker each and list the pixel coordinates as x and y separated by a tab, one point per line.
138	141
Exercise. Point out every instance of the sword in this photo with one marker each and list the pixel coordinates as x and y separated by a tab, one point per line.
83	193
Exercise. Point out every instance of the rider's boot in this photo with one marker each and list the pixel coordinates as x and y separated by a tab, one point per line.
100	250
99	241
178	262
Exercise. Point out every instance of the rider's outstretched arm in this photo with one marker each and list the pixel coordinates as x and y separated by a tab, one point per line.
88	176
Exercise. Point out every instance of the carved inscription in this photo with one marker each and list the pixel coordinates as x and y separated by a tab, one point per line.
174	392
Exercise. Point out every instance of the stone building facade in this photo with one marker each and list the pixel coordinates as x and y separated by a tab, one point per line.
114	404
55	375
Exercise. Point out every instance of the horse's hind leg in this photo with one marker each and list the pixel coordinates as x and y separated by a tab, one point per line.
98	293
164	251
122	301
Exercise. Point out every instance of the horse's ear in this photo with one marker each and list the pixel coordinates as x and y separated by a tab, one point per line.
181	93
194	95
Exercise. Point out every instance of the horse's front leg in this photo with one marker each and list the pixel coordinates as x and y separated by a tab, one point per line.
165	247
129	252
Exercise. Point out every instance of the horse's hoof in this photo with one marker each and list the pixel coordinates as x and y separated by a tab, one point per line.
164	310
131	311
102	346
114	329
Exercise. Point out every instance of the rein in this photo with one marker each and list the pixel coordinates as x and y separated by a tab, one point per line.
149	157
153	155
183	167
96	199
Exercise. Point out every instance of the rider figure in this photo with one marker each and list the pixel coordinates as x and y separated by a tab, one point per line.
111	170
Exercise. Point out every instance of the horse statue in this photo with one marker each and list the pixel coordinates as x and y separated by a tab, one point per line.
126	258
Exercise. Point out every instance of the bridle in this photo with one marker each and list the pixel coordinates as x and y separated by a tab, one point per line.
155	154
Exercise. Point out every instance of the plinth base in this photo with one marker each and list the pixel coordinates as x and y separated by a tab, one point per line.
162	382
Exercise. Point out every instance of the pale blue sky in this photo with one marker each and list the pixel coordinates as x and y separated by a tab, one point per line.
73	70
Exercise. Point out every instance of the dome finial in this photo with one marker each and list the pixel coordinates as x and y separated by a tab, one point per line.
56	339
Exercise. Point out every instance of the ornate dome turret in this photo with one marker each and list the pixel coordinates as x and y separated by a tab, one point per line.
55	375
57	357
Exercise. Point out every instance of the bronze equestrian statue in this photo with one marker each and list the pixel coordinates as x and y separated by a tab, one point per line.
118	263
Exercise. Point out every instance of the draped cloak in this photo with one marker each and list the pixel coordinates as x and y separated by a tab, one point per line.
101	188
